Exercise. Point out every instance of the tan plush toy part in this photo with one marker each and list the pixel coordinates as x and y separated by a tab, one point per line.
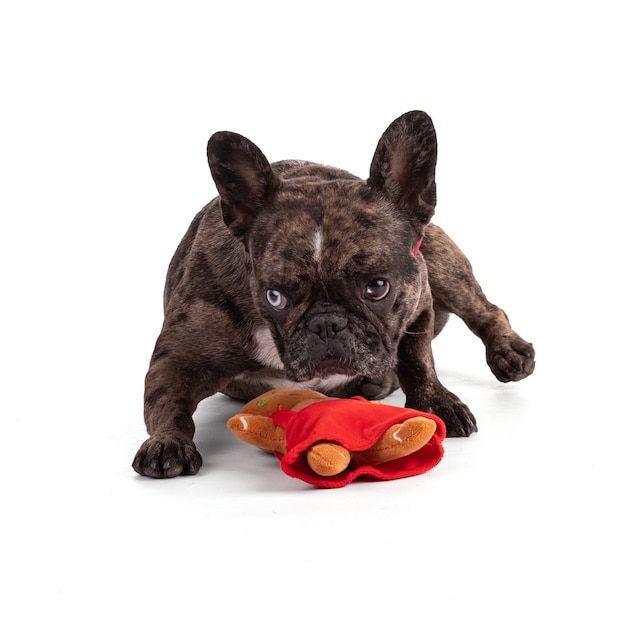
329	441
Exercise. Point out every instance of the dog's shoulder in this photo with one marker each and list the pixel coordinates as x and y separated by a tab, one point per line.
208	255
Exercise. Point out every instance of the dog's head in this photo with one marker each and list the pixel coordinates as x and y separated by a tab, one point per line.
334	275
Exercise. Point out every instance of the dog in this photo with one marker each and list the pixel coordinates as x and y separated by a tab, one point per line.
303	275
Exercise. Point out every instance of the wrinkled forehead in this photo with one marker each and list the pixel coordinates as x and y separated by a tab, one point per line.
339	227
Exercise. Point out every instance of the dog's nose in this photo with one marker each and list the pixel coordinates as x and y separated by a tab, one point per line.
327	325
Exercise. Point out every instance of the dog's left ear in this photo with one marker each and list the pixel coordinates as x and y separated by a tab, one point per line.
243	177
403	167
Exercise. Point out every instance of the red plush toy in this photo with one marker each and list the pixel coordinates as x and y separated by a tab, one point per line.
328	442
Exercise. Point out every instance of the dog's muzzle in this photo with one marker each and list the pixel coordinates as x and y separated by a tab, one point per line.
327	324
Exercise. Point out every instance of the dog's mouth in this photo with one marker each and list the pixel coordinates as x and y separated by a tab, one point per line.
363	363
332	344
323	369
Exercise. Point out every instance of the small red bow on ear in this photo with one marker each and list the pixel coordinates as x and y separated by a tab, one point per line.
417	246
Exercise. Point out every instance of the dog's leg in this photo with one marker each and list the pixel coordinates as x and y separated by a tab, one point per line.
419	380
455	289
181	374
171	396
170	450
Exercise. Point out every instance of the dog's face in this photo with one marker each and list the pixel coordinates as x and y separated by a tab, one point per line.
334	274
335	277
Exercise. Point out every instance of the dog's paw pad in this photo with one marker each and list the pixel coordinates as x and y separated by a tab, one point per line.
511	358
167	457
459	420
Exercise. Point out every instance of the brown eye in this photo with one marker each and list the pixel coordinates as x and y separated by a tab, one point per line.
376	289
276	299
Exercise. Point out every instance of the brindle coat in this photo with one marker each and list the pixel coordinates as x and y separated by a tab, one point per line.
300	274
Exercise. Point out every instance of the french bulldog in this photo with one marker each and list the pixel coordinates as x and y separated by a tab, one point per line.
303	275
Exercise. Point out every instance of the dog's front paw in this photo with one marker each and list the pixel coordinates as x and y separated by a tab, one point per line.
166	457
459	420
511	358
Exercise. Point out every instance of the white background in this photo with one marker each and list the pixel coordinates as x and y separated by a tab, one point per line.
105	113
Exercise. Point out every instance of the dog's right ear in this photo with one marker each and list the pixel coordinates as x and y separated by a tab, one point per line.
243	177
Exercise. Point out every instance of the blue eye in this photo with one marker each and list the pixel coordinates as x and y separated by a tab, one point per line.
376	289
276	299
